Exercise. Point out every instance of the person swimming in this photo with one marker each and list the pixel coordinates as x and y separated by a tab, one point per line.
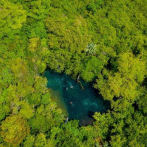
71	86
71	103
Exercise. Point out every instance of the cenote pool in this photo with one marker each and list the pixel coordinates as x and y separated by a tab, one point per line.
75	103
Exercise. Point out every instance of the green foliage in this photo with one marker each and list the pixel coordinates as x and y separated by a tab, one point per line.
14	129
40	140
26	110
29	141
91	48
125	83
38	9
101	41
4	110
11	17
63	41
46	116
92	67
45	99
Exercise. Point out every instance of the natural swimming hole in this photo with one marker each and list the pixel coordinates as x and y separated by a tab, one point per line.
75	103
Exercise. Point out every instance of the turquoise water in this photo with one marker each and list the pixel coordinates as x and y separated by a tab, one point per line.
80	104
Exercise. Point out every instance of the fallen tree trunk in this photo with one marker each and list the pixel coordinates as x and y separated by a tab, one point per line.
78	81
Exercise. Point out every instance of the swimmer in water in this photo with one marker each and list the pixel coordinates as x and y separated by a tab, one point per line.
71	86
71	103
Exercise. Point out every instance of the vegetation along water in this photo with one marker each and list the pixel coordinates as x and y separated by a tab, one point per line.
45	44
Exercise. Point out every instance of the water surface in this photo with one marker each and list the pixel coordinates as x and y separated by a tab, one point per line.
80	104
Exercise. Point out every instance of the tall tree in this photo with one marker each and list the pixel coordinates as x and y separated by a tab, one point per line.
14	129
12	16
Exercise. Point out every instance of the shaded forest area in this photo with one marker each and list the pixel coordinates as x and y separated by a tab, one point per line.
104	41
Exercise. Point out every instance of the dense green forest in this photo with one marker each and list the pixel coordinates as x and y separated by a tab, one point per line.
104	41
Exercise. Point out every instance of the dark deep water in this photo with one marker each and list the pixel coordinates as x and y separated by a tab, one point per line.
80	104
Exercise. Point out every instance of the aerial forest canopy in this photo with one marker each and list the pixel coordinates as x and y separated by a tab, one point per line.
102	41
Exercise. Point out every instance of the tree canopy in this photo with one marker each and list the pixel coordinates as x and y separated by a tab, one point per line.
101	41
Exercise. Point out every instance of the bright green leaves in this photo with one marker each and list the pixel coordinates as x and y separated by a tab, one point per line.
38	9
93	6
34	45
36	29
18	68
91	48
75	37
29	141
118	87
37	52
14	129
46	116
125	82
142	103
40	84
45	99
39	124
67	33
131	67
4	110
125	128
68	37
26	110
91	67
68	134
102	123
6	76
110	87
117	141
12	16
40	140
